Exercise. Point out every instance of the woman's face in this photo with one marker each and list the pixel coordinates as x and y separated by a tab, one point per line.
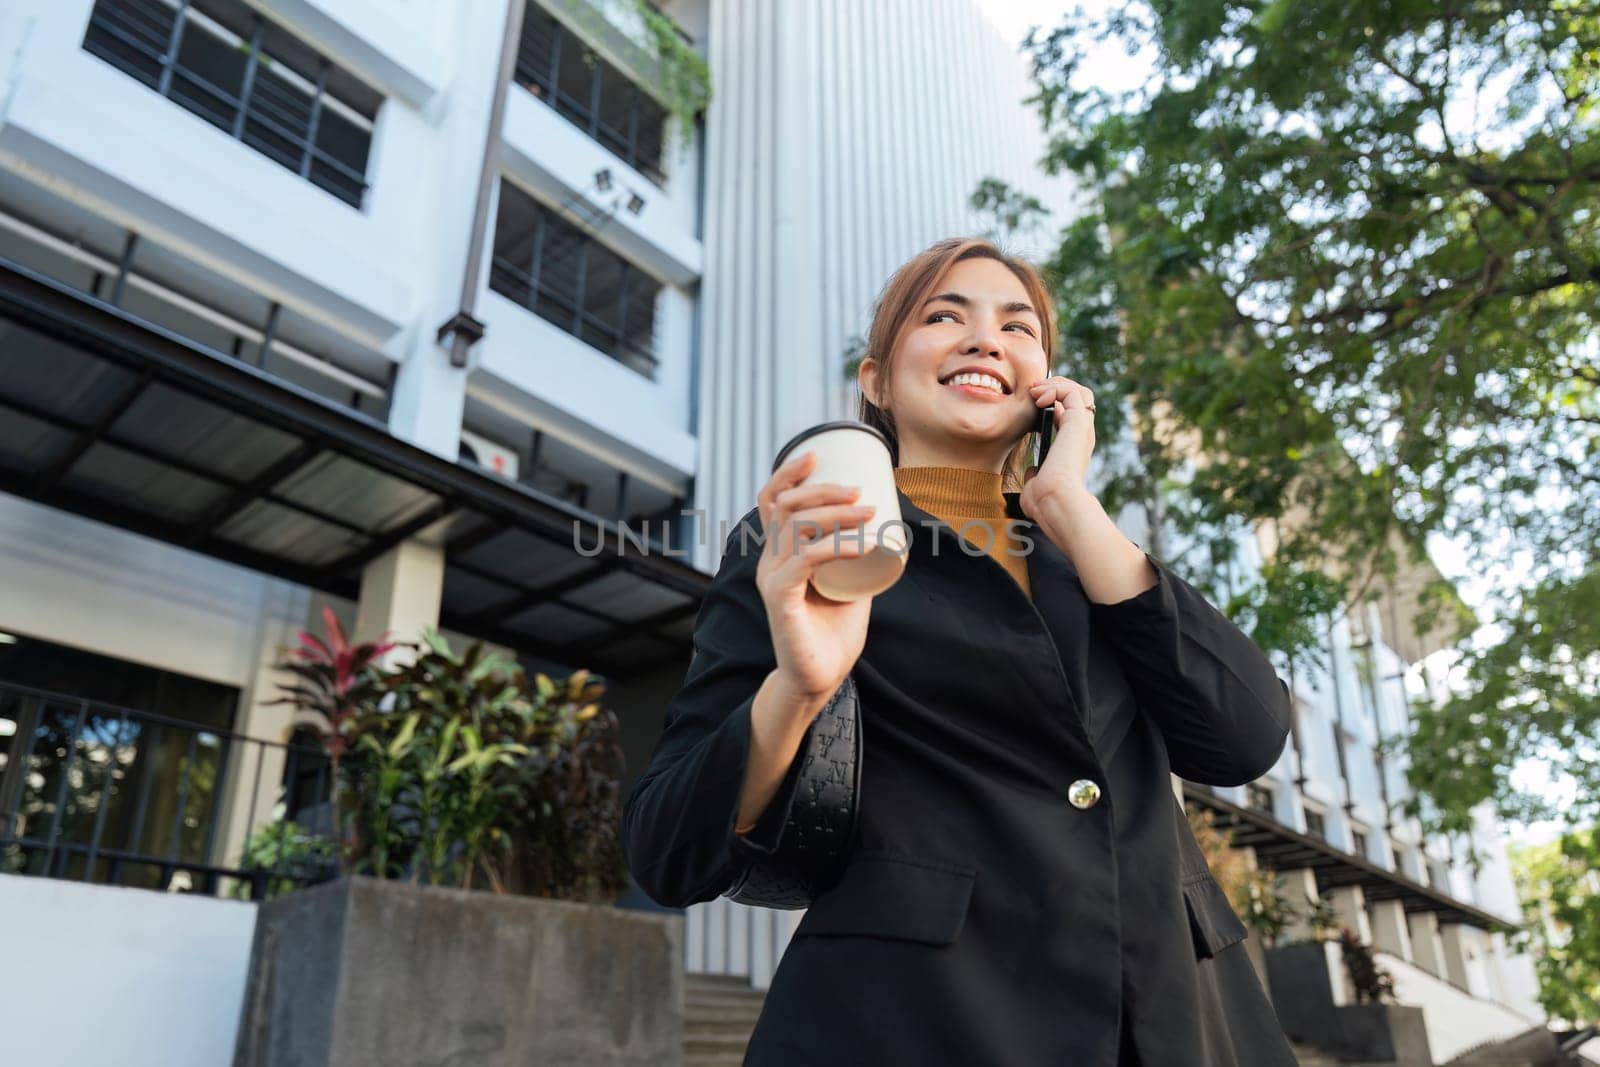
978	319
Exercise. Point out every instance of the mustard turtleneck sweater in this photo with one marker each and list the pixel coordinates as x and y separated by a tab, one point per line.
958	495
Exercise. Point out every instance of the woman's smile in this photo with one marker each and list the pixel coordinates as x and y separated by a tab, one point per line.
981	392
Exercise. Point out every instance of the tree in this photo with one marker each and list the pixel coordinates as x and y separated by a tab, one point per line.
1560	891
1343	260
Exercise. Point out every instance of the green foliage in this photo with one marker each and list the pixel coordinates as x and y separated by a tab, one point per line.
285	854
332	680
685	85
453	765
1007	210
1343	264
567	816
681	80
855	350
1560	893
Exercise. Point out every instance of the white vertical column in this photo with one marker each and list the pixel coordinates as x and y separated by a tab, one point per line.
1426	947
1460	957
1300	891
1349	902
401	592
1389	930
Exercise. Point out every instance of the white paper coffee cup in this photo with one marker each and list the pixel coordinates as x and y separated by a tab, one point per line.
853	453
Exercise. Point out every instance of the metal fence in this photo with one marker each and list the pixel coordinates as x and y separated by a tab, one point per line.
113	795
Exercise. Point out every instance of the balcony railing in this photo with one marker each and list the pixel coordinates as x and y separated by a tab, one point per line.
556	66
249	78
118	796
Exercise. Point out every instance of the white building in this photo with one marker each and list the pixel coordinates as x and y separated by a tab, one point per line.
242	286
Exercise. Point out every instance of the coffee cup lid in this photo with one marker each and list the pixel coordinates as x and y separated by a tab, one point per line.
837	424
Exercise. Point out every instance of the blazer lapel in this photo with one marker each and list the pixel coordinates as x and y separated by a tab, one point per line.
1056	593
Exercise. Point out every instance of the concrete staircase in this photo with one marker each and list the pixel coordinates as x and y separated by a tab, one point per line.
719	1014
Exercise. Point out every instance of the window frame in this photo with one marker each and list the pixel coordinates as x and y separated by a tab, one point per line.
110	36
528	287
541	77
1312	812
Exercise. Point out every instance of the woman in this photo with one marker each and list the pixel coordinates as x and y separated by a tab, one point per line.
1022	887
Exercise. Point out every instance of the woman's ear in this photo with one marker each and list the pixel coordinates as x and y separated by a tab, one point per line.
867	380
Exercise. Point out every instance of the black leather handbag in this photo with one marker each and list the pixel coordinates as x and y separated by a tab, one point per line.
822	817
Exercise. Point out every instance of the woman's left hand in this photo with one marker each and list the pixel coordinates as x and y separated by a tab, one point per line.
1066	466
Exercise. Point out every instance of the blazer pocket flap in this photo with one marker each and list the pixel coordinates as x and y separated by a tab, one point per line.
898	897
1212	920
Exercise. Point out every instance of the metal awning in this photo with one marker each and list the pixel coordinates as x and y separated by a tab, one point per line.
108	416
1280	848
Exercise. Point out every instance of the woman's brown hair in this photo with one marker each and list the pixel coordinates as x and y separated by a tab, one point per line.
906	291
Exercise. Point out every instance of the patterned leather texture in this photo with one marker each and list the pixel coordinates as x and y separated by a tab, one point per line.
822	817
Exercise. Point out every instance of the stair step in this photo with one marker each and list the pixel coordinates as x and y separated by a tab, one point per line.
722	1019
749	1004
720	1013
717	981
721	1046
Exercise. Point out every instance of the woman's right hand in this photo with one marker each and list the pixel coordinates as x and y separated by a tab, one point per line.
816	641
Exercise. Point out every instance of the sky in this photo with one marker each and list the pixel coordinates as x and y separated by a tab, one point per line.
1108	67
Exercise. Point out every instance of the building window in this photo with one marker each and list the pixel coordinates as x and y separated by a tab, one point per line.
1367	676
110	771
248	77
550	266
1316	825
1439	875
1259	798
1358	842
557	67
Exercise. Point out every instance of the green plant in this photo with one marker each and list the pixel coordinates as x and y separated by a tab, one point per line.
682	79
566	816
456	715
855	350
1559	890
685	76
1323	920
1371	983
1006	210
1340	261
335	682
454	766
1268	910
282	854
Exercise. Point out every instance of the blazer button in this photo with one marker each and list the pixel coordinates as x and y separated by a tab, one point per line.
1083	793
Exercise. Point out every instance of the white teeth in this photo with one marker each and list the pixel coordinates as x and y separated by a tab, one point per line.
973	378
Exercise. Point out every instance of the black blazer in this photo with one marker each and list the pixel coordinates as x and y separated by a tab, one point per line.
982	918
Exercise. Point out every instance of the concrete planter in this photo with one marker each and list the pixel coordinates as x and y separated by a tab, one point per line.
1302	994
363	973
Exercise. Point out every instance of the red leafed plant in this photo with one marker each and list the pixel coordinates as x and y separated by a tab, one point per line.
336	681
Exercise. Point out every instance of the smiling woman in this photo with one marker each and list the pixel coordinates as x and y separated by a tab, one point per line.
956	324
1020	885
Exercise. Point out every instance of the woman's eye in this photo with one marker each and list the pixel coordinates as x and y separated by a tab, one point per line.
935	316
1025	327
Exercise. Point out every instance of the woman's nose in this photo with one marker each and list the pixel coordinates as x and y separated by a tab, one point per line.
983	340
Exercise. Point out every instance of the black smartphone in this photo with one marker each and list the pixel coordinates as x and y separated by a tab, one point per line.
1046	429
